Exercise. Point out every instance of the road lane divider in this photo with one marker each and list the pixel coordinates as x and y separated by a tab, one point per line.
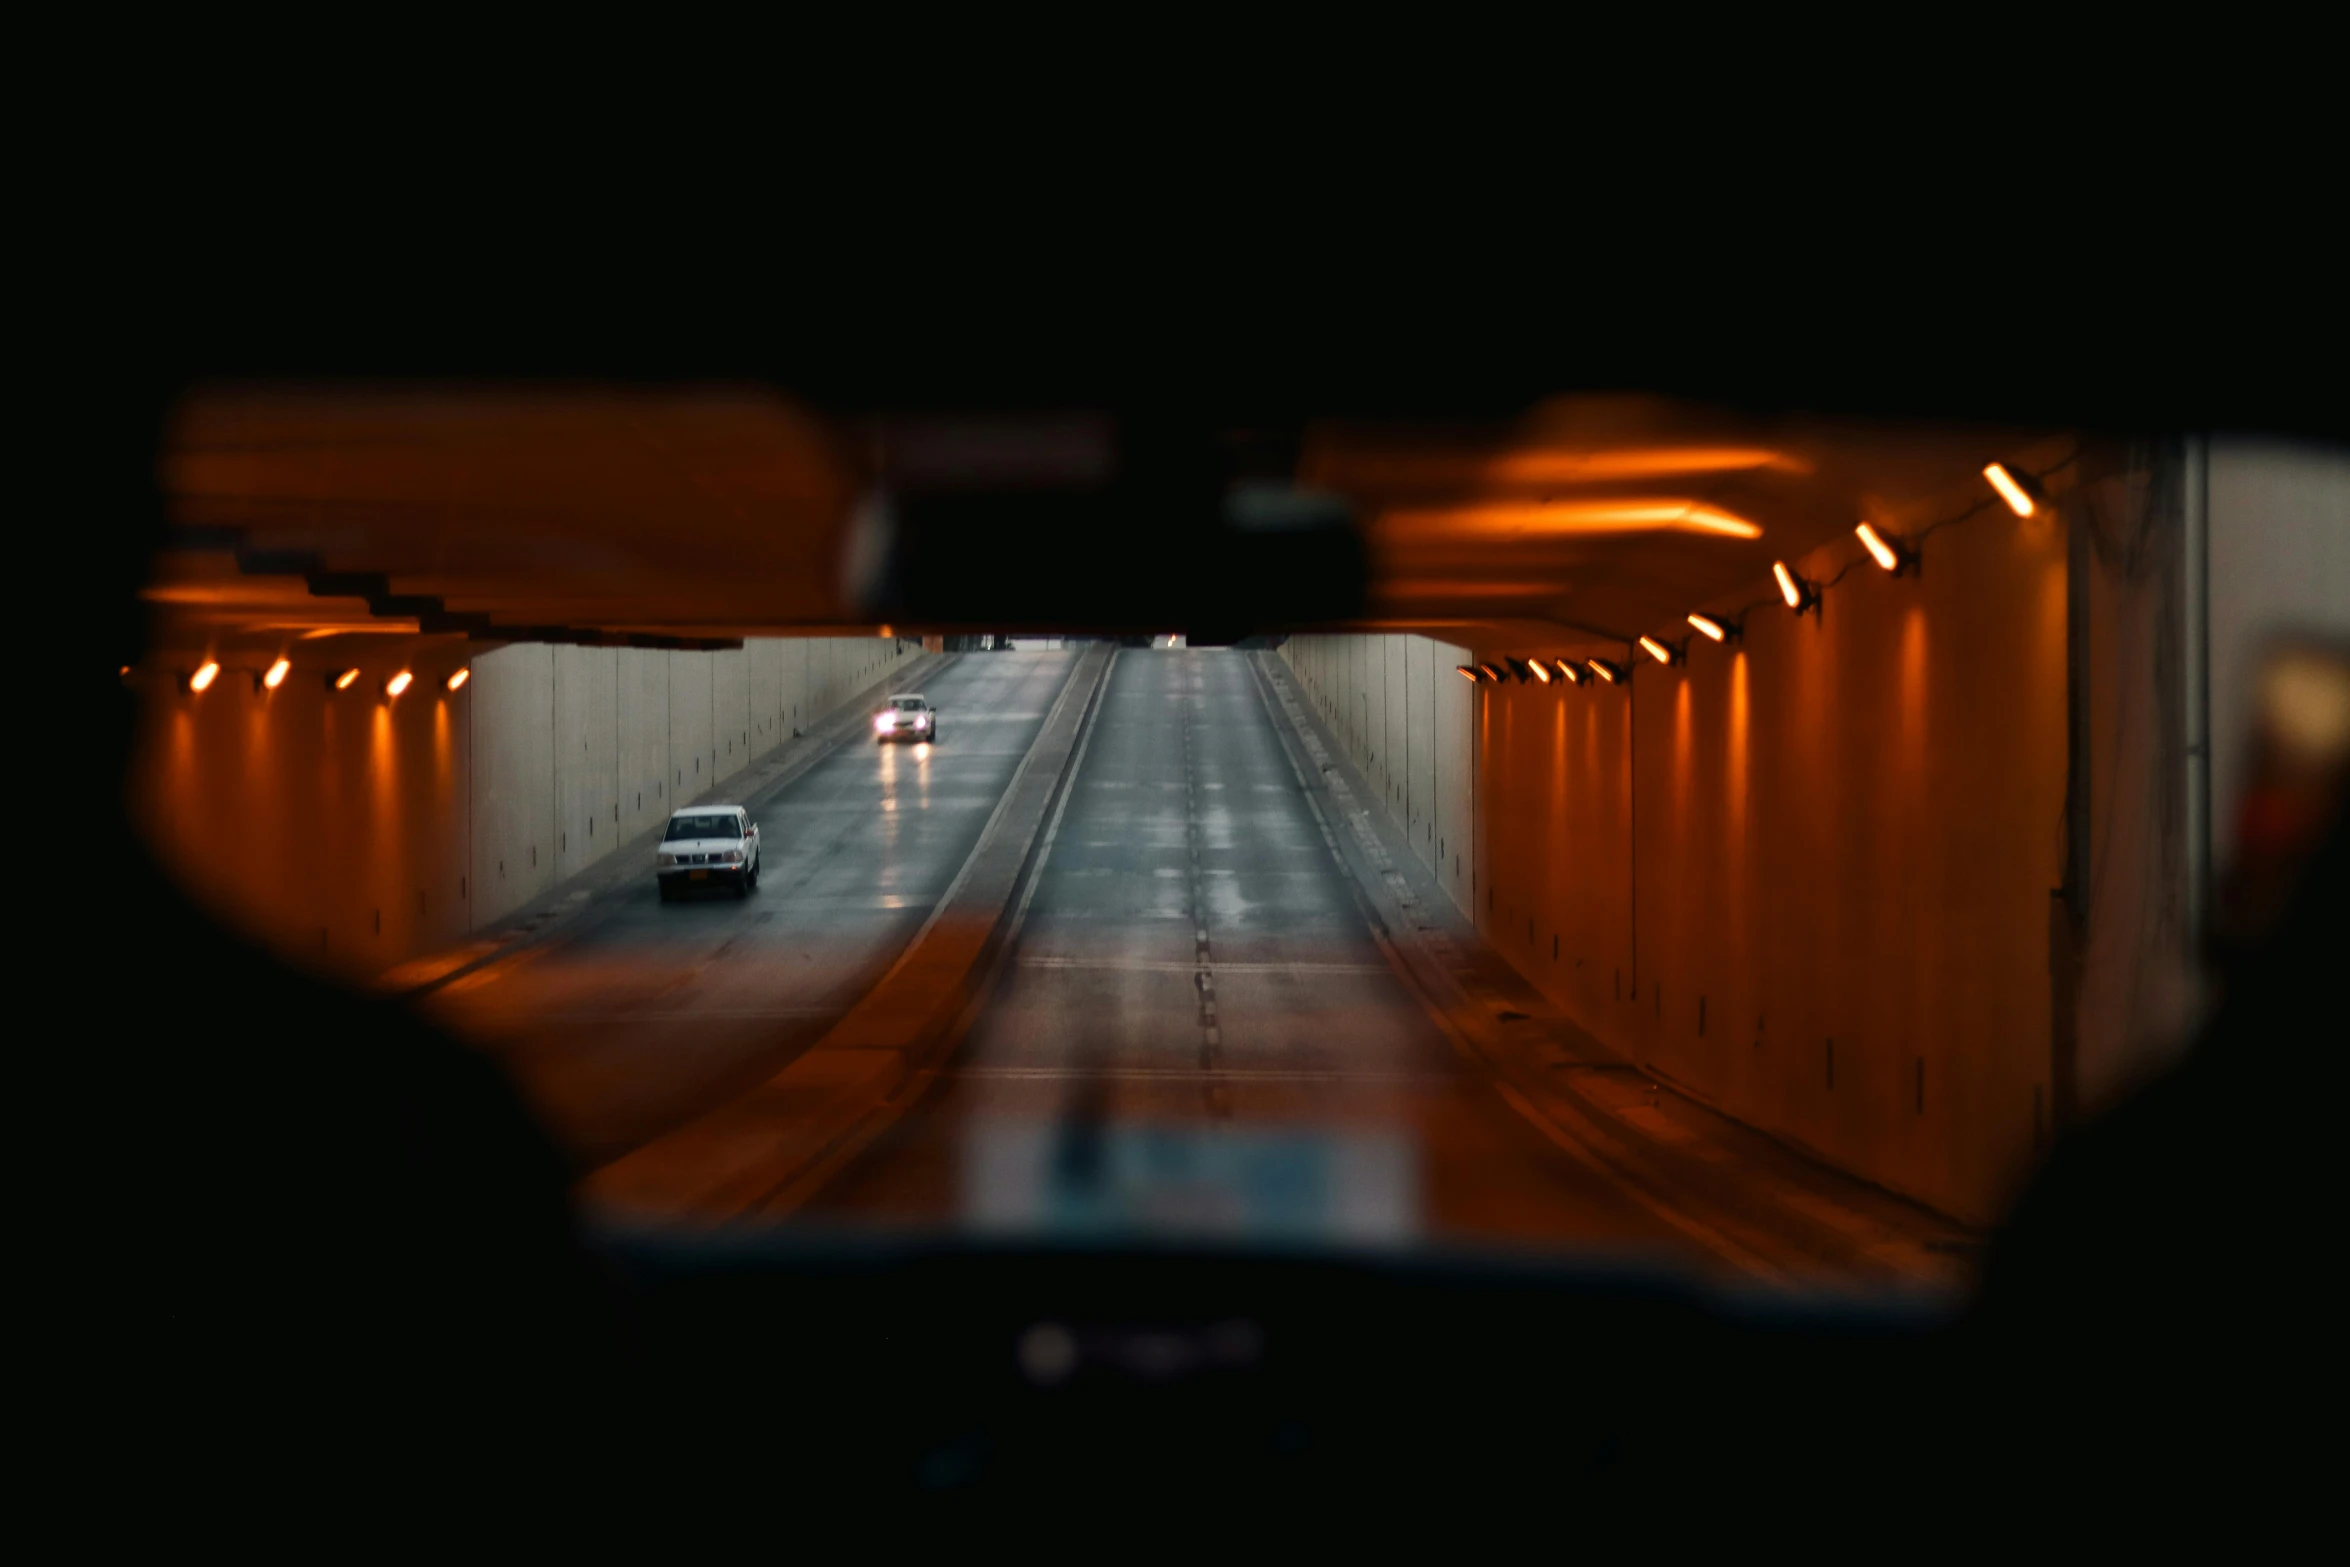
765	1151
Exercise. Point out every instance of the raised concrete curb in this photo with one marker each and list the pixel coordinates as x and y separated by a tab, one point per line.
766	1151
556	912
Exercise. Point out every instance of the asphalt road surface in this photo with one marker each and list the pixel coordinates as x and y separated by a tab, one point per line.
655	1013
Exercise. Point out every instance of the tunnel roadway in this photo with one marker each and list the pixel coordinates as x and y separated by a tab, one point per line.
1198	1022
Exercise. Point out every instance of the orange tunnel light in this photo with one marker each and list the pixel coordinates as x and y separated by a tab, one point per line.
1570	673
2019	500
458	679
398	683
1491	673
1710	626
1468	674
1602	668
1787	588
205	674
277	674
344	680
1657	650
1878	549
1541	670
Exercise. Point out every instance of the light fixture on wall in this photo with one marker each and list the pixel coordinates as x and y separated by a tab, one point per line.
205	673
1519	669
457	680
1894	557
1469	673
342	680
275	675
1540	669
399	683
2020	490
1491	673
1801	593
1611	673
1662	652
1572	674
1717	628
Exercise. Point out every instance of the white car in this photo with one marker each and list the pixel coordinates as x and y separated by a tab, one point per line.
708	843
906	718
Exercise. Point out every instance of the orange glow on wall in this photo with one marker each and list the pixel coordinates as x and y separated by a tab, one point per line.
457	680
205	674
277	674
1710	626
1538	519
1787	588
2009	491
398	683
1878	549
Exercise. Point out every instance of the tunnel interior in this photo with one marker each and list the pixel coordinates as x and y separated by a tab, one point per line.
1744	842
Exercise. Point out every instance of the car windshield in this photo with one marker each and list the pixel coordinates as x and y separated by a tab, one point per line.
1481	845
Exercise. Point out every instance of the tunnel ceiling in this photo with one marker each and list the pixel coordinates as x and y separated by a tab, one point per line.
696	517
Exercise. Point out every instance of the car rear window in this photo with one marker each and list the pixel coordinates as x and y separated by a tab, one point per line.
705	827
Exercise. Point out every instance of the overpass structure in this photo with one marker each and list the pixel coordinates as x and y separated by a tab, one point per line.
1855	788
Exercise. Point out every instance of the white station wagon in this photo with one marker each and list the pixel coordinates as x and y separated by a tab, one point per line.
708	843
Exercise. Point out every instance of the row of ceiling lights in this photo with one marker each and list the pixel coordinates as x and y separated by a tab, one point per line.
2021	491
201	678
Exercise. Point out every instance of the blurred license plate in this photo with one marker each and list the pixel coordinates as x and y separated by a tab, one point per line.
696	875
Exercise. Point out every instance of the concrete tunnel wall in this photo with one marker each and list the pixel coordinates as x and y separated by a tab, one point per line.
1787	875
352	832
1808	877
1403	717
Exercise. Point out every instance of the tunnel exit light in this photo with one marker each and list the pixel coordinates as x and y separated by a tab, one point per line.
205	674
457	680
2014	489
277	674
398	683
